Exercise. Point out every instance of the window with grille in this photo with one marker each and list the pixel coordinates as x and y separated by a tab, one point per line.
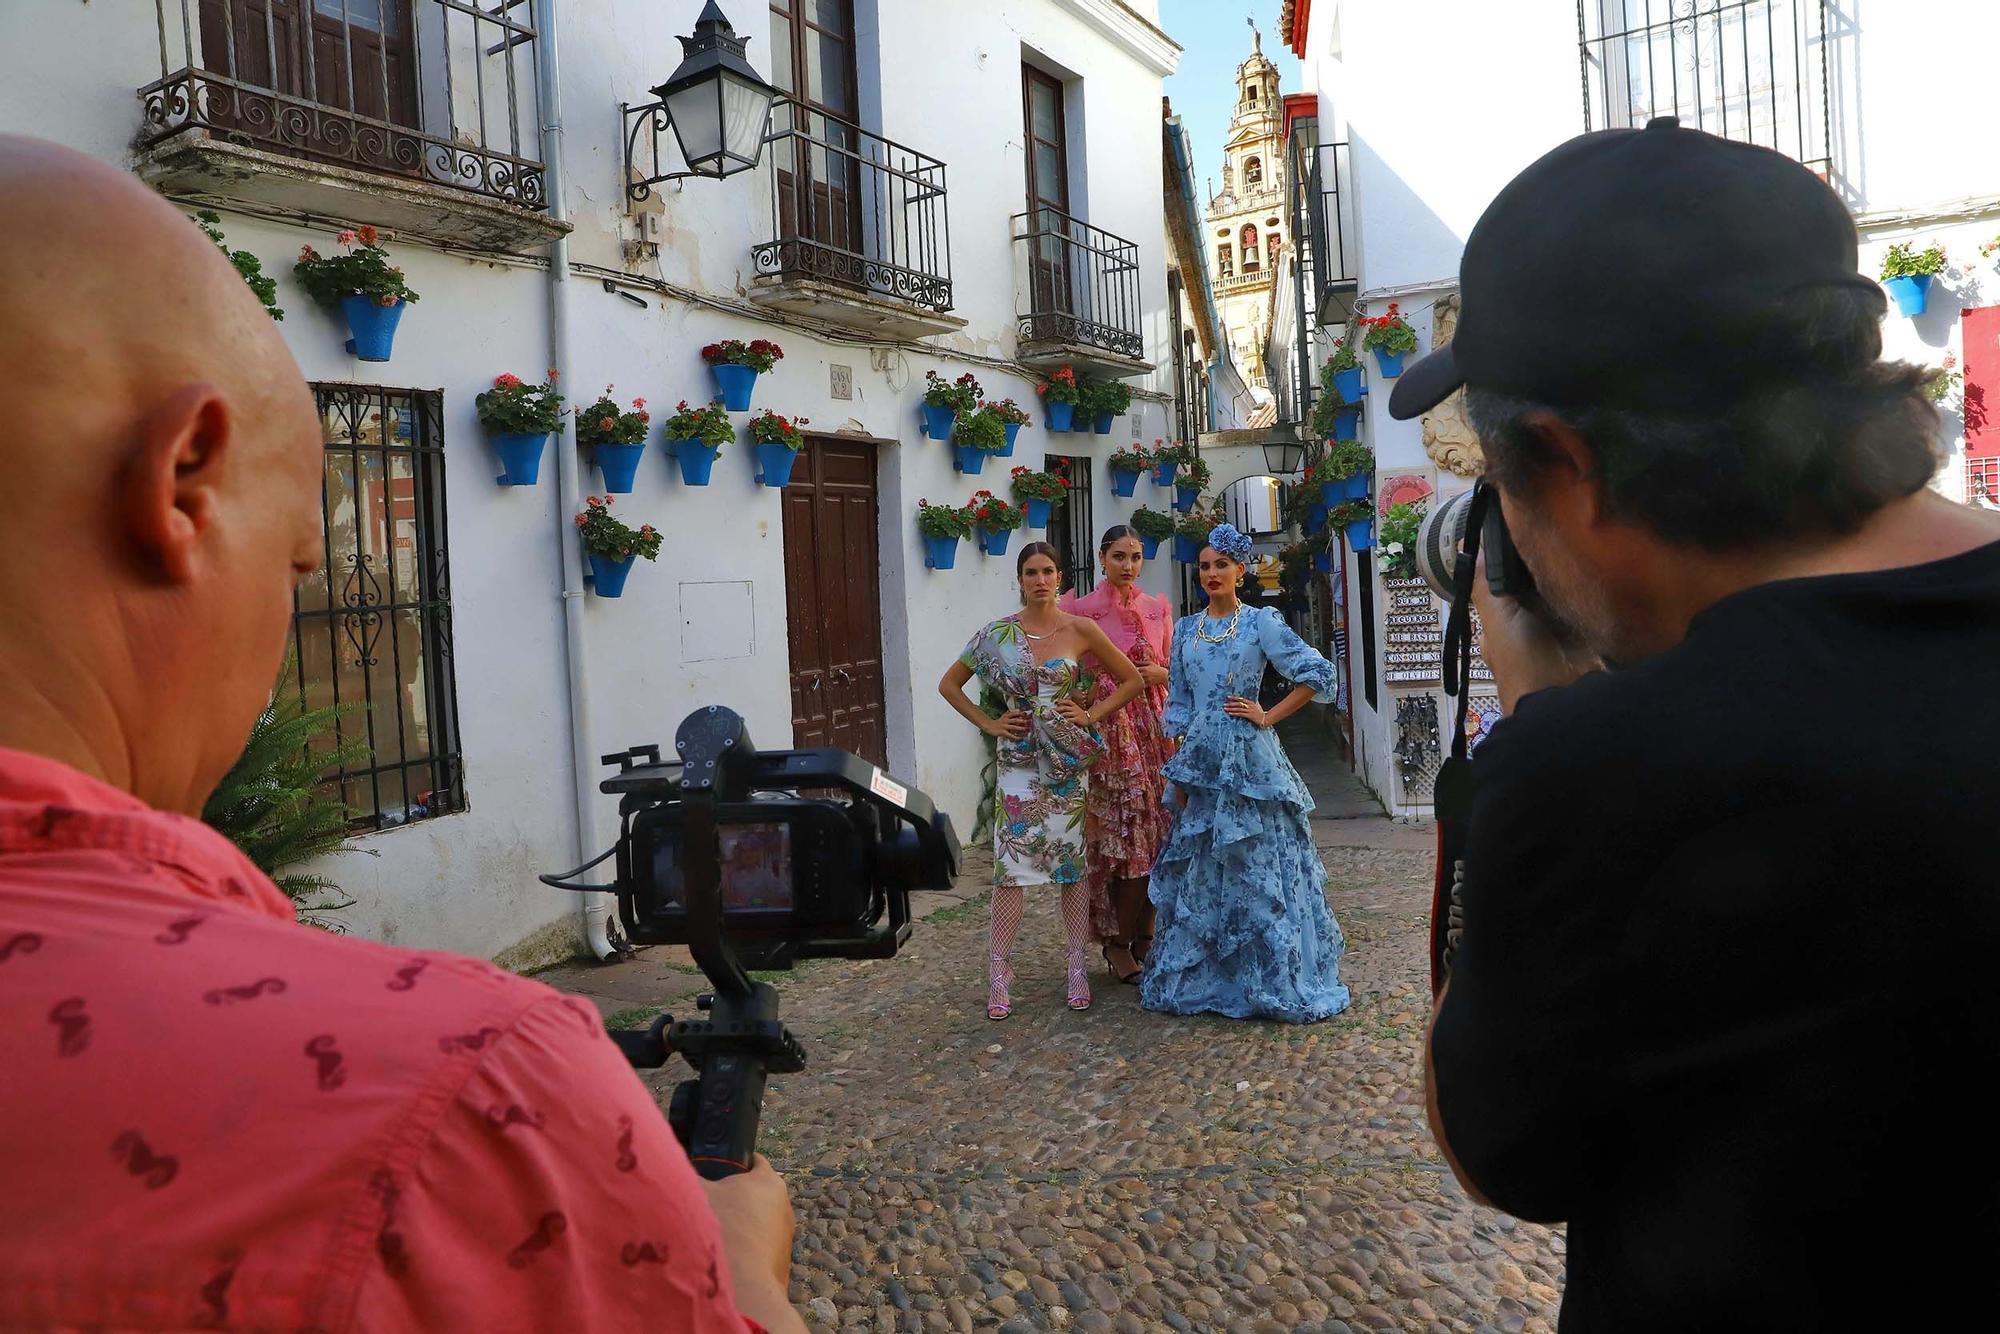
1071	533
372	629
1749	70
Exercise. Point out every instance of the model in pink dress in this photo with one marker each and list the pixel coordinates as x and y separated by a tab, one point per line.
1125	819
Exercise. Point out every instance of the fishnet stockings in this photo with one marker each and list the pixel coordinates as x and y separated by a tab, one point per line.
1008	907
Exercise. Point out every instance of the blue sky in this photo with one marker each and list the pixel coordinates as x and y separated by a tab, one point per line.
1203	89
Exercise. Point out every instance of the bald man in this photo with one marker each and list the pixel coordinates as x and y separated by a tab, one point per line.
214	1117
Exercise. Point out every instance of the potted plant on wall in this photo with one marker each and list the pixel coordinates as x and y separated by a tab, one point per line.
1345	471
1039	494
519	416
737	365
1058	394
979	433
1399	539
1014	416
942	527
1125	466
945	399
1357	519
1191	534
369	290
1153	528
1102	401
1943	380
248	265
697	435
1343	368
611	546
615	437
778	442
1390	338
1320	547
1167	460
1195	476
995	520
1907	274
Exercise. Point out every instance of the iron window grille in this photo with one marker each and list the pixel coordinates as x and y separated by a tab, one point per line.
1083	284
1071	534
372	629
443	91
1749	70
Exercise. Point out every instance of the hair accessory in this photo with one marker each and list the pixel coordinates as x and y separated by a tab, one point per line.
1225	538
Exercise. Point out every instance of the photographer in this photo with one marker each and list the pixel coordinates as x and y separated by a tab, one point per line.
215	1117
1728	906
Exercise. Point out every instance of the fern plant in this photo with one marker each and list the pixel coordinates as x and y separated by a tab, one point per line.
273	806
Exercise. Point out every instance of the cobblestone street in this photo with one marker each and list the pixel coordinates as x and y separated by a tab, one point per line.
1120	1170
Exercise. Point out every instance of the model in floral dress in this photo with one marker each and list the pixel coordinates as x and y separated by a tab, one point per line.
1125	821
1044	743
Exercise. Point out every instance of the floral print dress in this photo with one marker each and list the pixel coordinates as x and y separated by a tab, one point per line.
1038	828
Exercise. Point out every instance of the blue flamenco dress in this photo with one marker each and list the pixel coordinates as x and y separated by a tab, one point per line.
1244	929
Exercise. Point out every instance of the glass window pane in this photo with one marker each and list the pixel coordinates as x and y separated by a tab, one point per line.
828	14
1048	175
781	51
826	73
1045	112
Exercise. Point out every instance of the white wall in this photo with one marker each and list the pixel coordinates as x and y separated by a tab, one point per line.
945	80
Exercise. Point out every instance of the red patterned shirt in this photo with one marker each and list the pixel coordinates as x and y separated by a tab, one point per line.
216	1117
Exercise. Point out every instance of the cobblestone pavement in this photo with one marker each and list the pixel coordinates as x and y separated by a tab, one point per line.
1120	1170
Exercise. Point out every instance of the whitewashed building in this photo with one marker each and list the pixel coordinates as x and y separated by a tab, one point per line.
1423	112
945	186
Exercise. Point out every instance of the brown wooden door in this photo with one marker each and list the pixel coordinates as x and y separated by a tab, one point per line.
833	600
1048	188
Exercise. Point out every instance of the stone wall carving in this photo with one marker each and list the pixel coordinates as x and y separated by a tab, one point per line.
1448	437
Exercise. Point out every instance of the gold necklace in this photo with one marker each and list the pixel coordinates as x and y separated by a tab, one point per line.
1201	631
1031	634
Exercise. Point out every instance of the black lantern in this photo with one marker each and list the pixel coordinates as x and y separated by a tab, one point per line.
717	104
1283	457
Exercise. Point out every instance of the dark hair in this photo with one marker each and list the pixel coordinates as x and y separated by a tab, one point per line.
1117	532
1036	549
1810	452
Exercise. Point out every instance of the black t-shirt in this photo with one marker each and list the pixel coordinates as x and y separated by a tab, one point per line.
1723	998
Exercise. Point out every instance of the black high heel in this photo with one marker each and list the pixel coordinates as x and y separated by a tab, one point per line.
1129	979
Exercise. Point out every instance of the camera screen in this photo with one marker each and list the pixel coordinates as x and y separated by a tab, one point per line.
756	869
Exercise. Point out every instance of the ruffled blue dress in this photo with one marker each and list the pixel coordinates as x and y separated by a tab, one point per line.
1243	928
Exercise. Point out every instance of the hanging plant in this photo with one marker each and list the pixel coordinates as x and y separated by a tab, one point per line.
1398	539
978	434
1039	494
612	546
778	441
1012	417
1132	459
1943	381
942	527
1153	528
945	399
367	288
616	438
1907	274
1191	534
1390	338
1060	387
1195	473
245	263
520	416
996	521
1344	358
698	435
736	366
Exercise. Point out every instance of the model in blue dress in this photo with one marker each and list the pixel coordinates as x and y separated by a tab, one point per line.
1244	929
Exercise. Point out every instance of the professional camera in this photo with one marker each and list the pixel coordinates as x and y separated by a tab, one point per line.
720	850
1441	543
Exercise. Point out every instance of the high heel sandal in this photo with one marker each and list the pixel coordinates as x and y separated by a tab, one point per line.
1141	946
998	975
1079	981
1128	979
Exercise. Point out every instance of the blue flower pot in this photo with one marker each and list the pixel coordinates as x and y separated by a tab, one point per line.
619	464
736	383
1103	423
1351	384
940	553
994	542
608	575
1323	562
1149	547
1389	363
1912	294
939	421
774	464
1058	416
1040	513
1332	493
1356	487
1163	473
1185	496
1187	550
373	326
697	460
520	456
1316	518
1006	451
969	459
1347	424
1123	483
1361	534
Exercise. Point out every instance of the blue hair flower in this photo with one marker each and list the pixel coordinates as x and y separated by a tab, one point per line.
1225	538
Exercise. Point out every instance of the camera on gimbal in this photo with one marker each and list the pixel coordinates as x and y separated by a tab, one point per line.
721	850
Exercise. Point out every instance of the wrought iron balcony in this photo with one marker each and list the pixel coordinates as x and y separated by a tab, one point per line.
1078	295
435	97
1329	202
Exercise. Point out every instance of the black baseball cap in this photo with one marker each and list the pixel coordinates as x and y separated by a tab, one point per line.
1642	268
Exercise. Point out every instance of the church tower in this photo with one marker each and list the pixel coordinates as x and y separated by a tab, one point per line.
1247	231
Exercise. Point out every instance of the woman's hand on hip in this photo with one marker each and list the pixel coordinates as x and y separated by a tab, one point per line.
1011	725
1247	709
1072	712
1153	675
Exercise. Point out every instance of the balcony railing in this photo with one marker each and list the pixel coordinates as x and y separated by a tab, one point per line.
1082	284
1329	201
852	208
439	91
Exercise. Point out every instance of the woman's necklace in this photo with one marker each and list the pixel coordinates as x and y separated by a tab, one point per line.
1201	631
1022	622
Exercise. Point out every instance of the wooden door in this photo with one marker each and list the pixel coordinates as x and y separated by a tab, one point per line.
833	600
1048	188
818	167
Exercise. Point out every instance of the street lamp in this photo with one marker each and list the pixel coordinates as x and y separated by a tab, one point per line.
716	102
1283	457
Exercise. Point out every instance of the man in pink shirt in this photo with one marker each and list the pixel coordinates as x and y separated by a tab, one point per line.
214	1117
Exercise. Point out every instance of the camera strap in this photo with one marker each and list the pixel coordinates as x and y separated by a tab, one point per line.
1451	793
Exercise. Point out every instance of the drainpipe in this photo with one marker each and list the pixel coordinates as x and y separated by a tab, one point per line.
569	493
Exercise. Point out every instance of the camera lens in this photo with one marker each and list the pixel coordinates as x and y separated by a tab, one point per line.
1438	541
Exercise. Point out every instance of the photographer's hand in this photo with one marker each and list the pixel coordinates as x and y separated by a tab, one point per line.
757	1225
1523	652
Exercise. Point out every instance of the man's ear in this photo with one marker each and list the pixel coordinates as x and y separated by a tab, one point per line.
1568	466
172	479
